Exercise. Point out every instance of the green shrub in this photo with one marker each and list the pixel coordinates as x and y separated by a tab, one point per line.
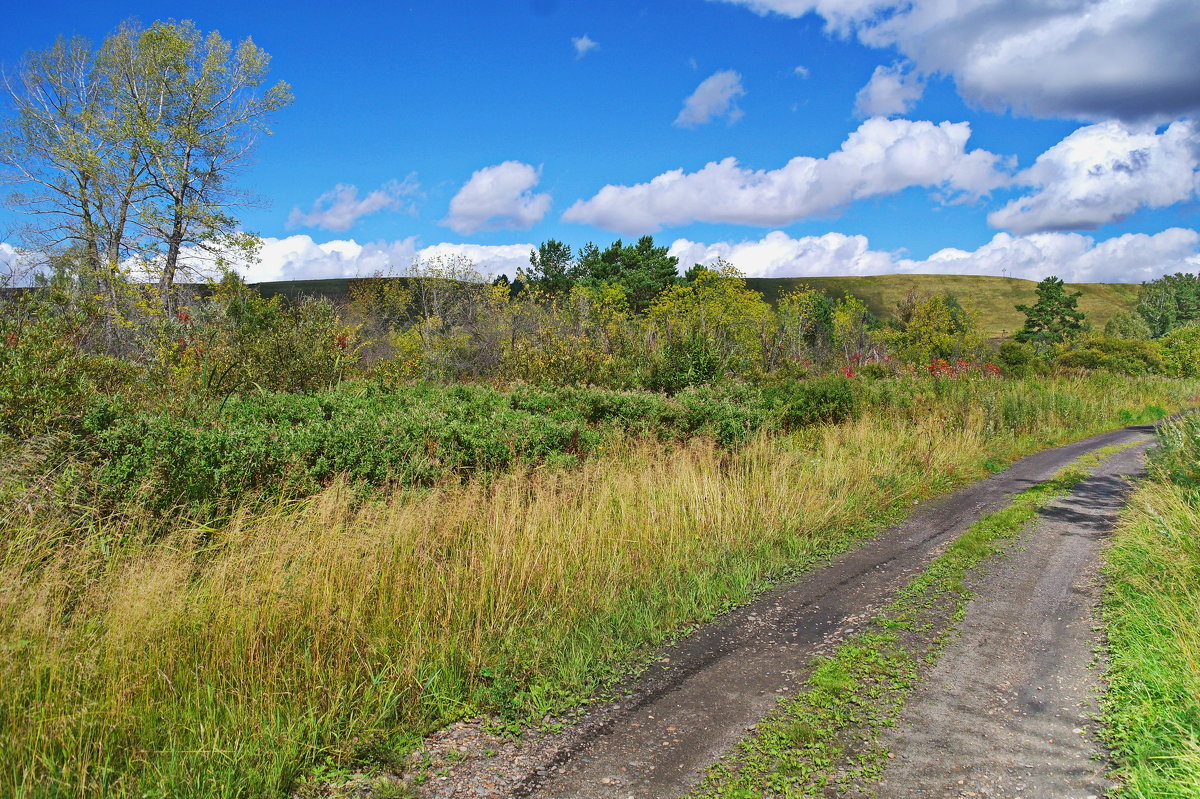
46	378
682	363
1018	359
236	341
1181	350
826	399
275	443
1119	355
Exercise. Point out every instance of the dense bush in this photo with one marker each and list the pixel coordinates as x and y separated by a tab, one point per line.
1120	355
1018	359
46	377
294	443
1181	350
829	399
291	444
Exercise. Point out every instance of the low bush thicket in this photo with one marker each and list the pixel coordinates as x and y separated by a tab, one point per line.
286	444
283	445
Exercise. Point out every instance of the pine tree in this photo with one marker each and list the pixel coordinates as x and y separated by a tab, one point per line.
1054	318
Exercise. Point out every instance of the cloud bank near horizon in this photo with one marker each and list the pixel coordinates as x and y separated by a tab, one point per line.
1075	257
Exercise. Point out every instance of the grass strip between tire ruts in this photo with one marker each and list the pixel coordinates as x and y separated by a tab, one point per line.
826	736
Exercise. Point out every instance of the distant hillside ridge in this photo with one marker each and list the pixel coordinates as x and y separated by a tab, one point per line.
994	298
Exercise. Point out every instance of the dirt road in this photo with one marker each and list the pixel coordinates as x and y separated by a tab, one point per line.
708	690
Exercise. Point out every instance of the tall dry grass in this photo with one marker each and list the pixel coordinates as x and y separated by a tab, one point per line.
234	661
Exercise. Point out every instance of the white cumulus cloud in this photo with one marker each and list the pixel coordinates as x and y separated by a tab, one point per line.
1103	173
489	259
498	197
340	208
583	45
1131	258
19	267
882	156
299	257
890	91
716	96
1084	59
779	255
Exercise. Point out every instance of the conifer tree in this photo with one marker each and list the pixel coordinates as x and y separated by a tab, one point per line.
1054	318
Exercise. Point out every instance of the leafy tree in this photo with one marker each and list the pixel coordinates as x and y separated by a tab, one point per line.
73	160
642	269
1128	325
851	320
717	320
129	151
196	107
1170	301
934	326
807	319
551	267
1054	318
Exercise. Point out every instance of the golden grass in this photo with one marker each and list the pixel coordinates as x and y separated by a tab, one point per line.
994	298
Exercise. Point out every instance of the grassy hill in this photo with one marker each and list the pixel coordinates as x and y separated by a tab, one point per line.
992	297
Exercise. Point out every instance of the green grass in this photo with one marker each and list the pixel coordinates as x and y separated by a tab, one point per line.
1152	623
825	737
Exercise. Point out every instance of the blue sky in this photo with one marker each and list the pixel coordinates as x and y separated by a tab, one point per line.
793	137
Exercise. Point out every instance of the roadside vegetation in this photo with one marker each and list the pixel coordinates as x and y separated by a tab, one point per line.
248	542
1152	709
272	645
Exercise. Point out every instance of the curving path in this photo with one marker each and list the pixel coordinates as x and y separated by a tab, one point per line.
705	692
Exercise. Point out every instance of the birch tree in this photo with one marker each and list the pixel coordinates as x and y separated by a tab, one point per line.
128	153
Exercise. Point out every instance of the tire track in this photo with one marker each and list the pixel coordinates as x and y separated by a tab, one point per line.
1006	711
